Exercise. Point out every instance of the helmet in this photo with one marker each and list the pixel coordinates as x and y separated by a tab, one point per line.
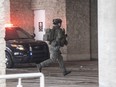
56	21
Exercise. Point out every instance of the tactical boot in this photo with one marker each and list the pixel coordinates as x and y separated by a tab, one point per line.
66	73
39	67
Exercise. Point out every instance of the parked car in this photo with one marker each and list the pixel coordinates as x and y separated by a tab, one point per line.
21	47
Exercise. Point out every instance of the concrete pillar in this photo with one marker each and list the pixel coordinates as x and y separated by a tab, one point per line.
4	18
107	42
78	29
93	30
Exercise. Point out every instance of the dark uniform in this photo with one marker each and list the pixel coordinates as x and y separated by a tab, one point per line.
55	53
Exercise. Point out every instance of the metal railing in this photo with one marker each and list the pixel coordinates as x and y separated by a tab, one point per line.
24	75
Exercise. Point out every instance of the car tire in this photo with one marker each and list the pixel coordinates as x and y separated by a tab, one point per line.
9	62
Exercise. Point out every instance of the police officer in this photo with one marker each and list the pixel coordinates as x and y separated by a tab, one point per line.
55	53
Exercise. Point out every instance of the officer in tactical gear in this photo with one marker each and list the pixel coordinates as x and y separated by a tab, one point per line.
55	53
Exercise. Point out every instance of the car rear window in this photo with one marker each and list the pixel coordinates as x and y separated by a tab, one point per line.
16	33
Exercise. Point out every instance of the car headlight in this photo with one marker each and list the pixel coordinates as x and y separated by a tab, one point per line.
19	47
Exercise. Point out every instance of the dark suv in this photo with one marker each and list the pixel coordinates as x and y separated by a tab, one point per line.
21	47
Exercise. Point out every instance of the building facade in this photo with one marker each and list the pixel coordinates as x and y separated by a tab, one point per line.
79	19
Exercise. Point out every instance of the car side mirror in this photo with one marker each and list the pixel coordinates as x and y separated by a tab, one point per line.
33	35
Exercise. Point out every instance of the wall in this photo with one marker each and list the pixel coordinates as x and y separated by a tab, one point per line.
53	9
79	19
22	15
4	18
107	43
78	29
76	13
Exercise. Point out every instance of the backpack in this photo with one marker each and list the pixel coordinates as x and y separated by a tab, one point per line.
49	35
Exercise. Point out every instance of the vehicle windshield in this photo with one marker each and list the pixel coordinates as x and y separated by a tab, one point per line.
16	33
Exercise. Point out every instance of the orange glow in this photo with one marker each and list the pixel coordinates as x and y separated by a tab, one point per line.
8	25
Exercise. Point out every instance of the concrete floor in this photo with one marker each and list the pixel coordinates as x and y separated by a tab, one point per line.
84	74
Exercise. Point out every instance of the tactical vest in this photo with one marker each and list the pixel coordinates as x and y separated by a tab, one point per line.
49	35
57	35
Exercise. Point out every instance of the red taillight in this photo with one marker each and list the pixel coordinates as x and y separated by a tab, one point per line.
8	25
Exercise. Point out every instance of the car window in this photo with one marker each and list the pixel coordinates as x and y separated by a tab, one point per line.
16	33
10	34
21	34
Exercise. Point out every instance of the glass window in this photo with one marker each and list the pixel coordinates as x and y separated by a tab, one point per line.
16	33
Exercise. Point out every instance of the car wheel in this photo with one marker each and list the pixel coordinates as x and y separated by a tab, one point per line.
9	62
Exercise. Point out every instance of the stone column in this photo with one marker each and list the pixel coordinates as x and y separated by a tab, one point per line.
4	18
107	42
